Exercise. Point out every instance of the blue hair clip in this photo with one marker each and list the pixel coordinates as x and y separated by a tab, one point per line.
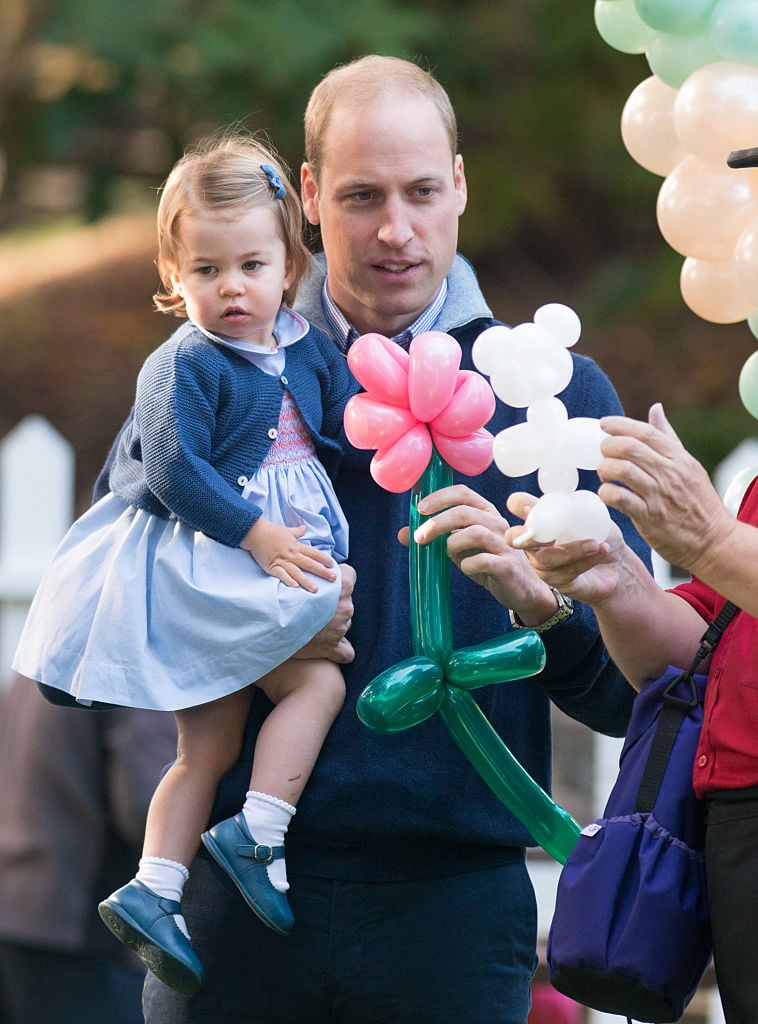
274	181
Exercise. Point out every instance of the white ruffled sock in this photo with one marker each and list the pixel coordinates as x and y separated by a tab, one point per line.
166	878
268	819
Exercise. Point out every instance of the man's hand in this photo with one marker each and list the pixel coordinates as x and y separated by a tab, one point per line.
478	547
332	643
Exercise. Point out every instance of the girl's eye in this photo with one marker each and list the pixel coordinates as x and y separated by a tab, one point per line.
250	265
205	271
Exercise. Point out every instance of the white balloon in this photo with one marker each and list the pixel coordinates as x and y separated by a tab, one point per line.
531	367
486	350
590	518
735	492
561	322
581	440
547	518
556	474
518	450
548	416
563	518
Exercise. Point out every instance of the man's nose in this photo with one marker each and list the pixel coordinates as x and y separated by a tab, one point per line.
396	229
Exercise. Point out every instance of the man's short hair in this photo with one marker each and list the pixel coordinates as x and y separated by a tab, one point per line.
362	81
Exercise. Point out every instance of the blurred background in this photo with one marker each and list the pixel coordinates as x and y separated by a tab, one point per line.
98	98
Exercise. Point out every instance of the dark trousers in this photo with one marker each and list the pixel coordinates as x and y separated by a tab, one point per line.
437	951
731	854
41	986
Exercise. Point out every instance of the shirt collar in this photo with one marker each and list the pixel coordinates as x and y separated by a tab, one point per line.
345	334
289	327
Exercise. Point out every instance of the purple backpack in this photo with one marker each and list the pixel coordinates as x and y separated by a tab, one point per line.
631	930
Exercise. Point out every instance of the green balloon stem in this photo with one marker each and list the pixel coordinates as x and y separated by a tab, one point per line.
550	825
431	619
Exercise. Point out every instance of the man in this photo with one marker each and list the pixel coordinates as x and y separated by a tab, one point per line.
408	883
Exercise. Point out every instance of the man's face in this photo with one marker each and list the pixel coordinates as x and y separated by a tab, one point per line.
388	202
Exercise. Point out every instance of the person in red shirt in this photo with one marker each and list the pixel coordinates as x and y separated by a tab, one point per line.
649	475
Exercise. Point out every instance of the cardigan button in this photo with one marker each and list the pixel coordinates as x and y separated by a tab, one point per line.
284	380
273	433
242	481
702	761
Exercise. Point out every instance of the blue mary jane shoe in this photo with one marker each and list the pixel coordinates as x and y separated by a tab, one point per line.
144	921
244	860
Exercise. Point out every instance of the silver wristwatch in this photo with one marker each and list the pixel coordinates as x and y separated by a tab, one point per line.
564	610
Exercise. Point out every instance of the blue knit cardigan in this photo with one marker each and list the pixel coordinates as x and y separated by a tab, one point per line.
205	418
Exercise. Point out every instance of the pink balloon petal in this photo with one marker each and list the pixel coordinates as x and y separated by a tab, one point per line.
470	455
373	424
381	367
398	467
470	408
435	358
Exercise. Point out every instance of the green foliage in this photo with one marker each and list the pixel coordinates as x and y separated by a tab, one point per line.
557	211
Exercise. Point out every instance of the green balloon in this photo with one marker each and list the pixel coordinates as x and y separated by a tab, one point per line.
402	696
515	655
438	678
733	30
678	16
748	384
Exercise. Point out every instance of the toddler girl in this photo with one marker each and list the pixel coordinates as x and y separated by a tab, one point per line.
211	562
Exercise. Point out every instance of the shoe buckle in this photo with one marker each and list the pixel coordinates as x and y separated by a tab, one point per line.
262	853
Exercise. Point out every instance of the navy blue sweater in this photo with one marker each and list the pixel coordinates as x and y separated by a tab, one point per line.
410	805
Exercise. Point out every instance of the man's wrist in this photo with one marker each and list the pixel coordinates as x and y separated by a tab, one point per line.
564	610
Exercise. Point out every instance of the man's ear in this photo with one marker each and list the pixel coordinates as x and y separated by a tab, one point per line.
309	194
459	176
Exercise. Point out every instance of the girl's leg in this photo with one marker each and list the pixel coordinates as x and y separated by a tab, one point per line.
209	742
307	695
146	912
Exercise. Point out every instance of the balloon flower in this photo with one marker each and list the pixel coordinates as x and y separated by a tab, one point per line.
424	415
528	366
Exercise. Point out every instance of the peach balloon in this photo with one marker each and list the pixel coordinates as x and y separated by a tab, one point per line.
711	291
647	127
746	261
703	208
716	110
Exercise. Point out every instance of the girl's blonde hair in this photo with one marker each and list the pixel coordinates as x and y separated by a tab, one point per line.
224	173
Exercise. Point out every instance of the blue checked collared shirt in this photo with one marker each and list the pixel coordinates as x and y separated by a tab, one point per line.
345	334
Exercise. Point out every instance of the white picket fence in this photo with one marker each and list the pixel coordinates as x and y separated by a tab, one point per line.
36	509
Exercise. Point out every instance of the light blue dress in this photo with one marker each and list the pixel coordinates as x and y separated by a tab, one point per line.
146	612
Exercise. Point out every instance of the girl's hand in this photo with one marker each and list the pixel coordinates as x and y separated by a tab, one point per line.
279	553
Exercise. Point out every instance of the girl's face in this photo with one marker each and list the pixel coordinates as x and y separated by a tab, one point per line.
232	270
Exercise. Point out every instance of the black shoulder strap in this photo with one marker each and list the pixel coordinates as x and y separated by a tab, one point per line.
673	712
